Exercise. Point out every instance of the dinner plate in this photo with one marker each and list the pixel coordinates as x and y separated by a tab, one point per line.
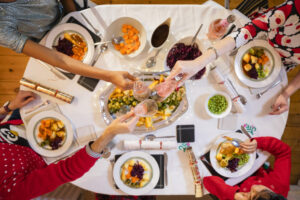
32	131
274	58
136	155
58	31
224	171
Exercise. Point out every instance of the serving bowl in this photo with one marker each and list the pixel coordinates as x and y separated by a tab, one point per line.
223	114
115	30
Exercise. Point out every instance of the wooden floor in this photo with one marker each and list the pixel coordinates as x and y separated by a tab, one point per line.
12	66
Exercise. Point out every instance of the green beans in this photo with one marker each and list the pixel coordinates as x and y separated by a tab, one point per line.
217	104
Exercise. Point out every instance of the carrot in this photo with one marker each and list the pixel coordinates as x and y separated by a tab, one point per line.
134	179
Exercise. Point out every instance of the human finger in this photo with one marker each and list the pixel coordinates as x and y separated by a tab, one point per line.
126	116
280	110
132	123
28	100
130	77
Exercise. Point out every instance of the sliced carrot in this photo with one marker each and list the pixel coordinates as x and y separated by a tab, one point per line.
134	179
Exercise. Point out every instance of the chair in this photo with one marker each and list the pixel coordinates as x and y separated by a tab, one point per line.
249	6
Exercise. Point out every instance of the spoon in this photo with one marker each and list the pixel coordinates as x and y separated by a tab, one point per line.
103	48
115	40
242	98
195	36
151	62
151	137
258	95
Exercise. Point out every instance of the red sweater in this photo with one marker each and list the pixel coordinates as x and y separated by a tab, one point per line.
277	179
25	175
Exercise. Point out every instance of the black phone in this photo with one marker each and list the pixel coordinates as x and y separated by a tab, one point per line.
185	133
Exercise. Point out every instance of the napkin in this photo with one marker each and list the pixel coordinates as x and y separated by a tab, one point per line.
141	144
82	135
219	78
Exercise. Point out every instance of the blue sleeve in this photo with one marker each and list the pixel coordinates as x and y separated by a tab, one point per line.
10	37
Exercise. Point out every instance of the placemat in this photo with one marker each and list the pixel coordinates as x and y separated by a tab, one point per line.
160	161
206	161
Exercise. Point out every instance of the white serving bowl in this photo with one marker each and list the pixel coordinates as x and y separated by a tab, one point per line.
115	30
223	114
187	41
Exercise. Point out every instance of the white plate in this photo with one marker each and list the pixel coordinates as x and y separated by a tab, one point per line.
136	155
274	58
115	30
223	114
32	131
58	31
224	171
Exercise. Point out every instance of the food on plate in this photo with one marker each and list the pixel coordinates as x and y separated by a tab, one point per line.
180	51
51	133
136	173
231	157
119	99
131	40
217	104
73	45
256	64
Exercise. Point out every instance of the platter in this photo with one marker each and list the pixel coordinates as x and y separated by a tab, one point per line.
108	117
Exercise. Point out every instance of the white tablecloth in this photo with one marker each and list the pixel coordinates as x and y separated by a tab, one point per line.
185	21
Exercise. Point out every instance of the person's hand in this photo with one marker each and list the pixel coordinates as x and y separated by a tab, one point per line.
280	105
122	79
241	196
123	124
249	146
187	68
22	98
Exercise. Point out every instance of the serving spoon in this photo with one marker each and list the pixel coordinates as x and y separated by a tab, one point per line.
151	137
115	40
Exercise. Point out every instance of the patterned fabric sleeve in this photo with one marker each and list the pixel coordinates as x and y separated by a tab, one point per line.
266	24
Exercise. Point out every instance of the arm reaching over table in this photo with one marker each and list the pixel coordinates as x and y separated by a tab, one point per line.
37	178
122	79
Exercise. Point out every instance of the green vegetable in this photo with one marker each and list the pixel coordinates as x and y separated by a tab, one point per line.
217	104
244	158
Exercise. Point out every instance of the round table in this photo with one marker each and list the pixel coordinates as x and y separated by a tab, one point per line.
84	110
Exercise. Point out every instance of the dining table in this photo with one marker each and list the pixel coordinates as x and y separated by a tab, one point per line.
185	20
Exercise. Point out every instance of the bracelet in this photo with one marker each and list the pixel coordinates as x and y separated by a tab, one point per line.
215	50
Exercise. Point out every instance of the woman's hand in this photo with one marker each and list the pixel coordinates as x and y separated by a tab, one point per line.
122	79
249	146
186	67
123	124
241	196
22	98
280	105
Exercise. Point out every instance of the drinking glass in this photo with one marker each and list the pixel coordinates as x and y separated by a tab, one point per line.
146	108
140	90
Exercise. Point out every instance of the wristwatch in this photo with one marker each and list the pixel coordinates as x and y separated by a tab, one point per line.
6	108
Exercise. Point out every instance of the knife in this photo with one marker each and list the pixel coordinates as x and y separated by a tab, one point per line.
53	70
245	132
229	31
165	168
91	25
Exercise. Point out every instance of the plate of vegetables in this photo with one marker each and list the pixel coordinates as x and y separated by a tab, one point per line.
257	64
228	160
218	105
136	173
72	40
113	100
49	133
